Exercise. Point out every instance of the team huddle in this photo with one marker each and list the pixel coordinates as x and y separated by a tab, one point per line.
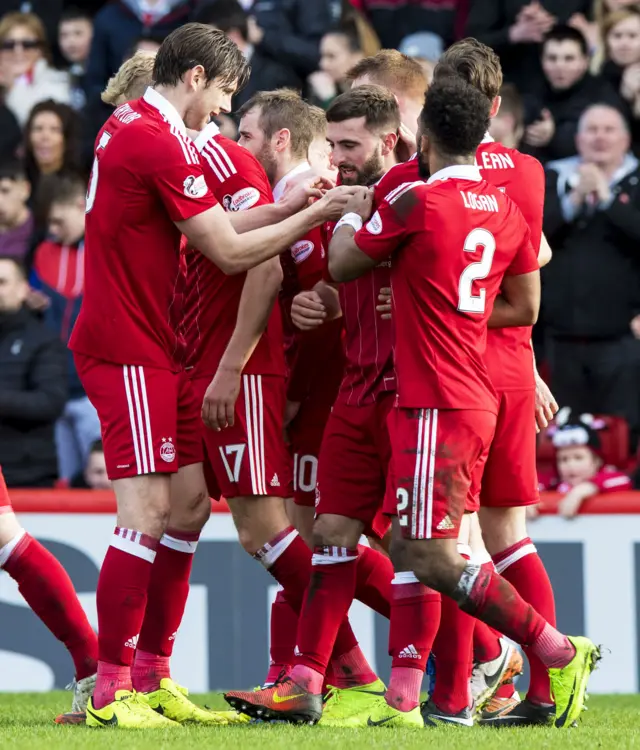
335	361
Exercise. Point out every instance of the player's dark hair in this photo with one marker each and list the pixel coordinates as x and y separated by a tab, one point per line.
20	266
225	15
284	109
393	70
475	63
348	30
66	189
455	116
73	13
198	44
376	104
12	170
563	33
511	104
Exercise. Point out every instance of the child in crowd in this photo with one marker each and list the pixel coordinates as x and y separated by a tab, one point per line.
75	32
581	471
94	476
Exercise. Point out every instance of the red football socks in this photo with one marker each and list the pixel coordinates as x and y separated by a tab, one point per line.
166	601
492	599
452	649
48	590
351	669
282	636
373	580
121	602
486	643
415	616
521	565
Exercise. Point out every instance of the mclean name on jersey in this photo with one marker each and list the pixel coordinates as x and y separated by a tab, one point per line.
479	202
492	160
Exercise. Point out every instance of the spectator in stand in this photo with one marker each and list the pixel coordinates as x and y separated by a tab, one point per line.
591	291
621	68
340	50
94	476
25	70
393	20
51	142
580	469
507	127
267	73
568	89
75	32
48	11
289	31
424	47
117	25
58	272
593	30
33	385
16	220
515	29
148	44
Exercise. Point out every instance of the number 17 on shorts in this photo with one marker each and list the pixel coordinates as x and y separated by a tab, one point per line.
434	452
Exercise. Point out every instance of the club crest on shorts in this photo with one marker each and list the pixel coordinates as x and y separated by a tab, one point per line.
241	200
168	450
195	187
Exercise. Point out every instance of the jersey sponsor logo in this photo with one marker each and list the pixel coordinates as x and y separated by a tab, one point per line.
301	250
374	225
195	187
241	200
168	451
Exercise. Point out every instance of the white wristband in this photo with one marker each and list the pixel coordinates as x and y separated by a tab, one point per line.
352	220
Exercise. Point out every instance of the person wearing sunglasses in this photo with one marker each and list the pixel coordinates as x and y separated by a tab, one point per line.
25	70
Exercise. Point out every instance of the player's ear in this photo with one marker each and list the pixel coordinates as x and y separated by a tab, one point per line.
389	141
283	139
195	77
495	106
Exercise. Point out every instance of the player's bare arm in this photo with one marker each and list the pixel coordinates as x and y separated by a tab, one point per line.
259	294
544	254
346	260
519	302
313	307
215	237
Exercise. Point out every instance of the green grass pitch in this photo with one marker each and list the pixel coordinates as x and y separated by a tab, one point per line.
26	722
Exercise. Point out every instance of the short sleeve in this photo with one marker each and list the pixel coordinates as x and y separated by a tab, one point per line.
385	230
178	179
526	257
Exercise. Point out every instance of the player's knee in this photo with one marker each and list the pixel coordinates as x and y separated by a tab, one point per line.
502	527
338	531
9	528
399	555
197	510
435	563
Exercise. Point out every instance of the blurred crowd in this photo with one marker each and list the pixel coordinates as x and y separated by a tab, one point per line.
571	98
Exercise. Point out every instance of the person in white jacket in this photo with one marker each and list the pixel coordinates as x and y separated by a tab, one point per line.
25	71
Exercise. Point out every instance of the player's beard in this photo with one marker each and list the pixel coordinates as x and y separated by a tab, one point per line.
267	158
371	171
423	166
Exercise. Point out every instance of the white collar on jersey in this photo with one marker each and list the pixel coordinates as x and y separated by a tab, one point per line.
166	109
487	138
281	185
205	135
457	172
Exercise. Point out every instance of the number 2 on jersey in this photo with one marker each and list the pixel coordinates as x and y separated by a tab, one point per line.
93	180
468	302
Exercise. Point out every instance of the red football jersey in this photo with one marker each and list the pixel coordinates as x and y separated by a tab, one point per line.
452	240
239	182
509	356
146	175
368	339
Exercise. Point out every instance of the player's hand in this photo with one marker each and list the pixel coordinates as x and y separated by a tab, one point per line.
218	407
335	201
541	132
546	405
308	311
384	303
361	203
297	196
406	146
291	409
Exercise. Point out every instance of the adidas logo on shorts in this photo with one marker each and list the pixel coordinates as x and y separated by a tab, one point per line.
409	652
445	525
132	642
275	482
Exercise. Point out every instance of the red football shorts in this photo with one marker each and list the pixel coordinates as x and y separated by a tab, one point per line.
149	418
251	457
434	454
506	476
305	438
5	503
354	461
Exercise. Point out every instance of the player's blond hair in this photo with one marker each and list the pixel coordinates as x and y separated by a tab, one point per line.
401	74
131	80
